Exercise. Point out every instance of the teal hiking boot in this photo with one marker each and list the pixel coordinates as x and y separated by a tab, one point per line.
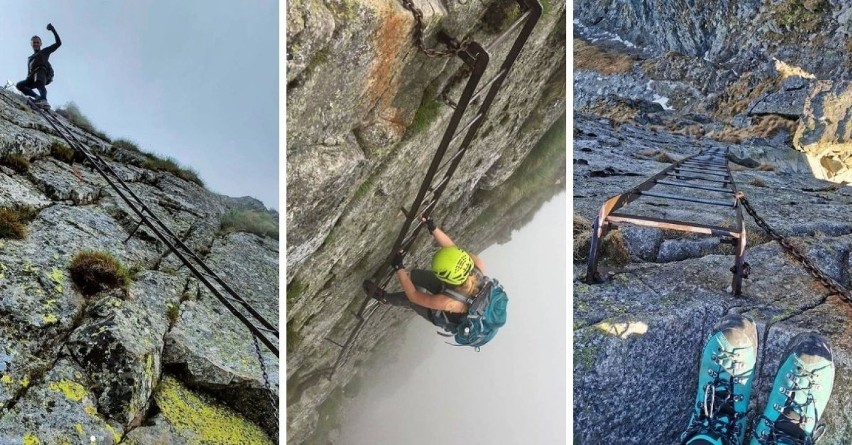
724	384
801	390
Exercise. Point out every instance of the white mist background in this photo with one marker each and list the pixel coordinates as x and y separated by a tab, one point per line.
512	391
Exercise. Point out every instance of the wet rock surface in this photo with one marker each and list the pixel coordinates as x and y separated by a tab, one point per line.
73	366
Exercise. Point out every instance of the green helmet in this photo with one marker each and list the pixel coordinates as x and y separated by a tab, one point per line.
452	265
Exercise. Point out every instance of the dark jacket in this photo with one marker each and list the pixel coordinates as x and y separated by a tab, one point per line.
38	61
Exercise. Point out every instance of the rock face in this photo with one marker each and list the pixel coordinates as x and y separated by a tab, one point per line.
365	114
74	366
638	336
769	85
824	133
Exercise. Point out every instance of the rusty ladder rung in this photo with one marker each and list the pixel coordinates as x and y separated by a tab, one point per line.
731	204
697	187
700	171
682	176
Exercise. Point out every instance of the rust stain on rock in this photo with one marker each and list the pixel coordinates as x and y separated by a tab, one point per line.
392	36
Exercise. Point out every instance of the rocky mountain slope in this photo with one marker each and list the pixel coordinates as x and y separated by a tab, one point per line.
155	361
364	117
655	84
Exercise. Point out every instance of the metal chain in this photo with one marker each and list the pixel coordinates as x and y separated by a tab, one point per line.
272	399
826	280
453	48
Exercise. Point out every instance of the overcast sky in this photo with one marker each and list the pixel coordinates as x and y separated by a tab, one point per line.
196	80
512	391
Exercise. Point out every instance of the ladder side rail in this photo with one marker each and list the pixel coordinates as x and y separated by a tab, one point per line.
91	157
479	64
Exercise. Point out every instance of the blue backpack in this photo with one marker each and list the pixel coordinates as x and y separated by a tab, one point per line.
486	314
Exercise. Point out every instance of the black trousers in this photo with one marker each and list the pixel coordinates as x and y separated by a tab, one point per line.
35	81
426	281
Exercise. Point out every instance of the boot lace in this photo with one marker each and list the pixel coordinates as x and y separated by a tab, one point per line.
716	411
788	428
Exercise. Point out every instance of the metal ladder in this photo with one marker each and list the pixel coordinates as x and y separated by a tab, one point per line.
709	174
456	140
260	328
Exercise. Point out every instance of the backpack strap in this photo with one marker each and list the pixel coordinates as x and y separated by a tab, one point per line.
458	296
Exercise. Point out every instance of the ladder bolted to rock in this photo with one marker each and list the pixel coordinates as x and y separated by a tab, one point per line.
455	142
265	331
705	174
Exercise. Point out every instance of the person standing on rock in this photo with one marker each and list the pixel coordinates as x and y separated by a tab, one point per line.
799	395
444	295
39	70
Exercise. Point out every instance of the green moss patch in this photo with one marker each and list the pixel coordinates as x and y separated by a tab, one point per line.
203	421
94	271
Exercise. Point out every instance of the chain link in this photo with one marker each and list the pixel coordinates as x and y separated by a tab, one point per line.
827	281
272	399
453	48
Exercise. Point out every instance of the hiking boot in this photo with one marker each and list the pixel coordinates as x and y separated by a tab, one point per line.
801	390
374	291
724	384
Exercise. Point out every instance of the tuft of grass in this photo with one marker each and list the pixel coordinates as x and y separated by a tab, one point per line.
94	271
126	144
614	249
618	112
72	112
582	230
766	167
664	158
762	127
258	223
11	225
62	152
153	162
17	162
739	94
757	182
590	57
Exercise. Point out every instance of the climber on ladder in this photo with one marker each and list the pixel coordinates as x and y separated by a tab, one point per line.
455	295
39	70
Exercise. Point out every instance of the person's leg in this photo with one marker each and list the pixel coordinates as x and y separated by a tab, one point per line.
724	384
424	280
38	84
799	395
25	87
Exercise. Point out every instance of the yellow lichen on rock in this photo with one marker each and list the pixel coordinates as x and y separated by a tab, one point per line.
203	422
31	439
7	379
50	318
72	390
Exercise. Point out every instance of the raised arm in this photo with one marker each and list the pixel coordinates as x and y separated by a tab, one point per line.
444	240
58	43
